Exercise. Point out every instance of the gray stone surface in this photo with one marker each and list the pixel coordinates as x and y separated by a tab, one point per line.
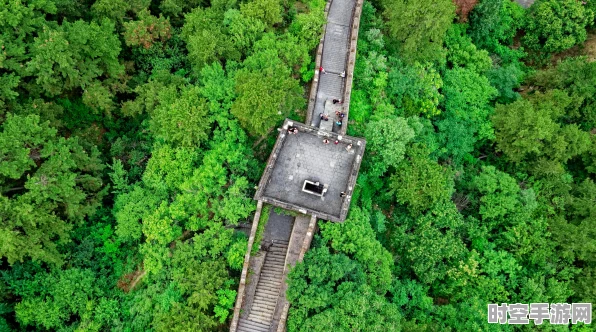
266	296
279	227
330	88
296	242
335	55
341	12
255	266
305	157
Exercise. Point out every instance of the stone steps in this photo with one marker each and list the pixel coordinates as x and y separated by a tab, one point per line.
268	287
246	325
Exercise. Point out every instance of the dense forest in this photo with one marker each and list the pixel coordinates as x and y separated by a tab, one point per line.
133	134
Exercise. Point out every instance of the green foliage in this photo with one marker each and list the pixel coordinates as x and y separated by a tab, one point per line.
73	55
146	30
415	89
116	10
267	11
554	26
244	30
181	117
462	53
343	290
419	27
419	182
205	39
70	298
506	79
387	139
456	204
493	24
47	185
266	92
337	298
177	8
576	76
528	129
256	245
430	244
227	298
308	26
466	119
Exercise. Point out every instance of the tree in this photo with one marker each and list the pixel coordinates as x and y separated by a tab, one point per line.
176	8
116	10
79	51
462	53
308	26
327	295
419	182
267	11
577	77
506	79
356	238
493	23
244	30
463	8
181	117
266	92
556	25
419	26
344	290
414	89
430	243
387	140
47	185
72	298
530	128
145	31
205	38
466	119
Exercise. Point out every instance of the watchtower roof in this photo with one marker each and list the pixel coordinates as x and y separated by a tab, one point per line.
302	158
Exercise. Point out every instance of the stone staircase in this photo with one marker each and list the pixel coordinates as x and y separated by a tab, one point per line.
267	292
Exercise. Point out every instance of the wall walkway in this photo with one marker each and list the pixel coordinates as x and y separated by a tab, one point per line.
261	304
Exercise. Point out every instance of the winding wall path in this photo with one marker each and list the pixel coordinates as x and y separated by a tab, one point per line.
261	304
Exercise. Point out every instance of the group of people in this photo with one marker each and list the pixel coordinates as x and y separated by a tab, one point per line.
348	147
292	130
339	115
338	121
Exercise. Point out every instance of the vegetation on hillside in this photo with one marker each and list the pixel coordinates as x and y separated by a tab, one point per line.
133	133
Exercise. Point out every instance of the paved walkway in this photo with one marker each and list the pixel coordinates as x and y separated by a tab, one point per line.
334	59
262	299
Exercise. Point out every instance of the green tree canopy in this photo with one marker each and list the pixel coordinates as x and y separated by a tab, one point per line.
47	185
419	27
556	25
266	92
388	139
531	128
466	119
419	182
